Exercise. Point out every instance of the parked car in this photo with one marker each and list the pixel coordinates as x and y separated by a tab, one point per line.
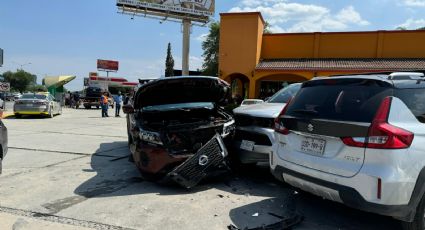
3	143
37	104
251	102
16	96
177	128
254	126
358	140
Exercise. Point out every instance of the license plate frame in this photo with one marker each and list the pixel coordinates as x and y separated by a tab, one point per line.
247	145
313	146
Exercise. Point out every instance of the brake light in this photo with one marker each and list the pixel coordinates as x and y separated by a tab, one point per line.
381	134
278	126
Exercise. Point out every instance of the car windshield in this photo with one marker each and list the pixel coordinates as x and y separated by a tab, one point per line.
285	94
33	96
355	100
182	106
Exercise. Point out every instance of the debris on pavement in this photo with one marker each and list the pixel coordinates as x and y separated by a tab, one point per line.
285	223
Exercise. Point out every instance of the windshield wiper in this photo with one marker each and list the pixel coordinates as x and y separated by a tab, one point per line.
306	111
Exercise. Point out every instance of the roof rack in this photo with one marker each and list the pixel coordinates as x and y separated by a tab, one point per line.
406	76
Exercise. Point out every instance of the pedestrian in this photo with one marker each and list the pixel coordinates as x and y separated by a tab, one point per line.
104	104
118	102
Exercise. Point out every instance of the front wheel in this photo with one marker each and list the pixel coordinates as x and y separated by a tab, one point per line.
418	223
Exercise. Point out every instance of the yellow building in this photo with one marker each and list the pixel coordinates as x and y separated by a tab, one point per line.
258	64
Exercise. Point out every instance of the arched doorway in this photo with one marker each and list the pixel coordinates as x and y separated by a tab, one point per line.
239	85
268	85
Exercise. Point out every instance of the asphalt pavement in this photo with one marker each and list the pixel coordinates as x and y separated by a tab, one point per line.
72	172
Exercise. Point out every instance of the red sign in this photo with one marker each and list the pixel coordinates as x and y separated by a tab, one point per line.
107	65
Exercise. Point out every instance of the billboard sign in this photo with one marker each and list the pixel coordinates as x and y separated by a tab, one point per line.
107	65
1	57
4	86
195	10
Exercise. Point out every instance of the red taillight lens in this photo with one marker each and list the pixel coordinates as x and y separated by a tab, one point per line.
381	134
278	126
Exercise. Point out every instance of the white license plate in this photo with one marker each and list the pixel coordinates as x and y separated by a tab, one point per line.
313	146
247	145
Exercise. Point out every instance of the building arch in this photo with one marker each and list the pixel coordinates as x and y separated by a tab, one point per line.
239	84
269	84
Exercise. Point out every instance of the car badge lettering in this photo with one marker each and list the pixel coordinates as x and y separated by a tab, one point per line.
203	160
310	128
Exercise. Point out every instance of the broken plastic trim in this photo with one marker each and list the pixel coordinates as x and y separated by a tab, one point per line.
194	169
285	223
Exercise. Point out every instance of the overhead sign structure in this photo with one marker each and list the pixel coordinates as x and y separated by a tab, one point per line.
193	10
4	86
184	11
107	65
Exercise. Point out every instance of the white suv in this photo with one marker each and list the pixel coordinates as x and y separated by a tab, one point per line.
358	140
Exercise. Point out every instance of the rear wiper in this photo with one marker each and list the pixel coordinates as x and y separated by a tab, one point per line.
306	111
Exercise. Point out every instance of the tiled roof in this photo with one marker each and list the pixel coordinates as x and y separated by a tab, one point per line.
342	64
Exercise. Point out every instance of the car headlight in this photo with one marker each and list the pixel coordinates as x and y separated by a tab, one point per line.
150	137
228	128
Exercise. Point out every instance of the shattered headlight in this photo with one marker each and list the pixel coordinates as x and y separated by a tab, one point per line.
150	137
228	128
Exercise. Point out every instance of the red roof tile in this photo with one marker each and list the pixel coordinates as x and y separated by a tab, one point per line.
342	64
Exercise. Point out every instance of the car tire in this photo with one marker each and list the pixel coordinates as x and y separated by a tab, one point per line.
418	222
1	165
18	115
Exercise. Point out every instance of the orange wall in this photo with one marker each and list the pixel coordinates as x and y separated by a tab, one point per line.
240	43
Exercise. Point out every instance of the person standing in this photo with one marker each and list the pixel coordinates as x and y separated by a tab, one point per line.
104	104
118	102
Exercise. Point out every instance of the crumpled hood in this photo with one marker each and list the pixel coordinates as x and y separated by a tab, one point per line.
265	110
176	90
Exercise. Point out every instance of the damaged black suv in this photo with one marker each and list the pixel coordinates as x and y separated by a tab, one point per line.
177	128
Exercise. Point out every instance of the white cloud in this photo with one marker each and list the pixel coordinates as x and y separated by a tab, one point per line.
414	2
413	23
285	16
201	37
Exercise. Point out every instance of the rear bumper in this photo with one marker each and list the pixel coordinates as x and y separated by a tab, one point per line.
344	194
30	113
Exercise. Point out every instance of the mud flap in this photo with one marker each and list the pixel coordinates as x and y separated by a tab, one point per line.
194	169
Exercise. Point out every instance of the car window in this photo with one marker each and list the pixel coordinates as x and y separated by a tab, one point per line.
33	96
346	100
415	101
285	94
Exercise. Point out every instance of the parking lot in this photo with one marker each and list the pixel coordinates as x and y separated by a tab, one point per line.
72	172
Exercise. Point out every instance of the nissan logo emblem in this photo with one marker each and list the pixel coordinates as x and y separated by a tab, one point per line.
310	128
203	160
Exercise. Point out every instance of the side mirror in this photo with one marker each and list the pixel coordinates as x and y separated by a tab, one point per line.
128	109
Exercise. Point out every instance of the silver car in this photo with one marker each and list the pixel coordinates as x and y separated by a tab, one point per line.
254	126
37	104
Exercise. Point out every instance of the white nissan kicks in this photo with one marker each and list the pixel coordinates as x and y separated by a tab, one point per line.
358	140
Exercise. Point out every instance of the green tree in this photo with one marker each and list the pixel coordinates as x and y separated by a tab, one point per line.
401	28
169	63
19	80
266	29
211	50
421	28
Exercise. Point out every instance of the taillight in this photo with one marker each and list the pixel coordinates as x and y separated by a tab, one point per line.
278	126
382	135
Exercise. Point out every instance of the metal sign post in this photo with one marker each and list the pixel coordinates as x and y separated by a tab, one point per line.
186	47
1	57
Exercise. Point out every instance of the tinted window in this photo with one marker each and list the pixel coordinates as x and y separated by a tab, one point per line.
340	99
415	100
285	94
33	96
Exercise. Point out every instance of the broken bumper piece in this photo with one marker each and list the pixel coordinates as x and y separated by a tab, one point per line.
207	159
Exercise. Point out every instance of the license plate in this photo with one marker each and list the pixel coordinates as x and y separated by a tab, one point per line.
247	145
313	146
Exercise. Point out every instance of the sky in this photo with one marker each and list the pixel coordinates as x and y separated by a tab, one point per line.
64	37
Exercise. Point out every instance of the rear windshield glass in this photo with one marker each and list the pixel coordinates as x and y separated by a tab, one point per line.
415	100
285	94
355	100
33	96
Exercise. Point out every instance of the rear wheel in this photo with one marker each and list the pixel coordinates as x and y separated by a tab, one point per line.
18	115
419	222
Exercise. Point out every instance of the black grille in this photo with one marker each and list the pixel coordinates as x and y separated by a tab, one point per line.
245	120
258	138
191	171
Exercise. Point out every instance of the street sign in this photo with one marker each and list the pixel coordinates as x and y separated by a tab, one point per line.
4	86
